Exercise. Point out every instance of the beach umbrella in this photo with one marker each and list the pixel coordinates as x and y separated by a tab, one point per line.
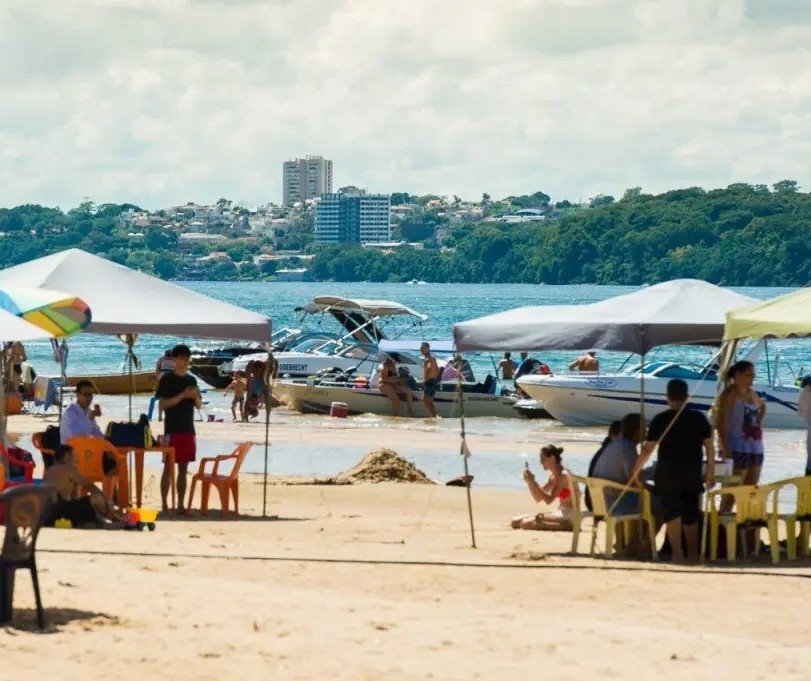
60	314
15	327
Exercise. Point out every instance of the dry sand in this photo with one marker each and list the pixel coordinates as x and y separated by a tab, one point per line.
379	581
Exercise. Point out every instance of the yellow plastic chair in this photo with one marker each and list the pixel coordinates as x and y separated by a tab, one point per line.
614	521
750	512
578	513
801	514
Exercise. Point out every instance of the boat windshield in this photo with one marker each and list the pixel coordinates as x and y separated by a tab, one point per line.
673	370
359	351
328	348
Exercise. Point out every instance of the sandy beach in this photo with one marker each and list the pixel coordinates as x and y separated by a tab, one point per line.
374	581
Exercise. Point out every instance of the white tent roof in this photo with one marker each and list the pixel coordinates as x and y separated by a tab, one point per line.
125	301
678	312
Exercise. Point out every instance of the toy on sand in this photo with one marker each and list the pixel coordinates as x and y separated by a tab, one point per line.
139	518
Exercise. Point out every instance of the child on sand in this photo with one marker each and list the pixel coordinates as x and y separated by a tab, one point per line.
239	385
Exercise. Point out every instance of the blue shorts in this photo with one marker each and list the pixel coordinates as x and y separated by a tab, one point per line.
627	505
430	388
744	460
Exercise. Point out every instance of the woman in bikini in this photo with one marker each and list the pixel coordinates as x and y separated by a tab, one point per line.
395	388
556	487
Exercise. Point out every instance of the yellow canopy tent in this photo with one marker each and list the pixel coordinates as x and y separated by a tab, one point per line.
787	316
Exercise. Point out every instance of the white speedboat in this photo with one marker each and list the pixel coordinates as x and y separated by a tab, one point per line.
316	397
365	323
599	399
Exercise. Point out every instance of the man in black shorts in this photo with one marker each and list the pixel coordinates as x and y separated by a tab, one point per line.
677	476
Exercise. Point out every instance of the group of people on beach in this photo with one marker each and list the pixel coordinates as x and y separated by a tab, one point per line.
685	443
80	501
250	390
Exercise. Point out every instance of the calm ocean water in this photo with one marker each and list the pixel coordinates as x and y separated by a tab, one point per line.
444	304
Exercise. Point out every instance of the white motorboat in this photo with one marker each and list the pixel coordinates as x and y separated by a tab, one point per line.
317	397
365	324
361	395
599	399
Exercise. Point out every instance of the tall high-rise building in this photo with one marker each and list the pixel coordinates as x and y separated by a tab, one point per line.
353	217
306	178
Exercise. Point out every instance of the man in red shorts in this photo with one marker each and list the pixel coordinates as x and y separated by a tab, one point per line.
178	395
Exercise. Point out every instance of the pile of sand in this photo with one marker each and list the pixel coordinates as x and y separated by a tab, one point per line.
383	465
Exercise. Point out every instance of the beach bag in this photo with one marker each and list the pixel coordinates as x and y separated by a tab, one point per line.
126	434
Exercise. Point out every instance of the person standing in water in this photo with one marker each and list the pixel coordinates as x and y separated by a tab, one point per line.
430	378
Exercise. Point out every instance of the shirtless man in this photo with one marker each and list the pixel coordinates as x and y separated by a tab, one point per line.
92	508
507	367
430	378
587	362
239	385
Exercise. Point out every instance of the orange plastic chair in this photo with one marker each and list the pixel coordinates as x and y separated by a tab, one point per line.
226	485
89	452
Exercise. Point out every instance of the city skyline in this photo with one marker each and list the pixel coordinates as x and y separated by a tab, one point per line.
159	102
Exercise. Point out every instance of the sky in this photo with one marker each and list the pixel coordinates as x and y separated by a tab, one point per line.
161	102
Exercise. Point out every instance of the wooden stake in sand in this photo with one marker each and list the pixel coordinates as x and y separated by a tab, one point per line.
465	453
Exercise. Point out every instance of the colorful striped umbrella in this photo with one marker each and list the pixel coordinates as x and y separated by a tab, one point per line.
58	313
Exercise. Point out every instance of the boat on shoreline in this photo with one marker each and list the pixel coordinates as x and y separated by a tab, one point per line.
119	383
365	323
310	396
599	399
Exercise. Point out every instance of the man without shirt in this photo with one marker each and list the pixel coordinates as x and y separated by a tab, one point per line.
677	476
430	378
92	508
179	395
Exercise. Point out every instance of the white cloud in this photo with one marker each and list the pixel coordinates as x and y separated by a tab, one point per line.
164	101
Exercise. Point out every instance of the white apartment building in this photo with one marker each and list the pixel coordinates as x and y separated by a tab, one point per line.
354	217
306	178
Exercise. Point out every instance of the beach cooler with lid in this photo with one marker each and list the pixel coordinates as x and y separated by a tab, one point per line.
339	410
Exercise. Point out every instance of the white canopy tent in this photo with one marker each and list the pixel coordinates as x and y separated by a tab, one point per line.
127	303
124	301
678	312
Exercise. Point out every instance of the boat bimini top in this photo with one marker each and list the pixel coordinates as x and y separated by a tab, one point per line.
360	317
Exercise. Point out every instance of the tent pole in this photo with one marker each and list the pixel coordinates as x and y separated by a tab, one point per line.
130	343
465	452
268	390
642	388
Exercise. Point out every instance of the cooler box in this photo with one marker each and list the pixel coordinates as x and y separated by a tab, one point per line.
339	410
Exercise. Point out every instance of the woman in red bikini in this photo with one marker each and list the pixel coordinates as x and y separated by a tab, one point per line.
556	487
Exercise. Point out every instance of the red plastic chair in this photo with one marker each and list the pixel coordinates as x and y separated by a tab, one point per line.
227	485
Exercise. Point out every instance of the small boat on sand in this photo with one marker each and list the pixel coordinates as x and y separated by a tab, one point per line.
120	383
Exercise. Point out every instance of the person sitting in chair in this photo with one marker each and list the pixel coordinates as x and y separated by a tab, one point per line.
91	508
79	420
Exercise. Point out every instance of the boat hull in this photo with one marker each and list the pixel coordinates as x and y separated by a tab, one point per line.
599	400
318	398
302	364
119	384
